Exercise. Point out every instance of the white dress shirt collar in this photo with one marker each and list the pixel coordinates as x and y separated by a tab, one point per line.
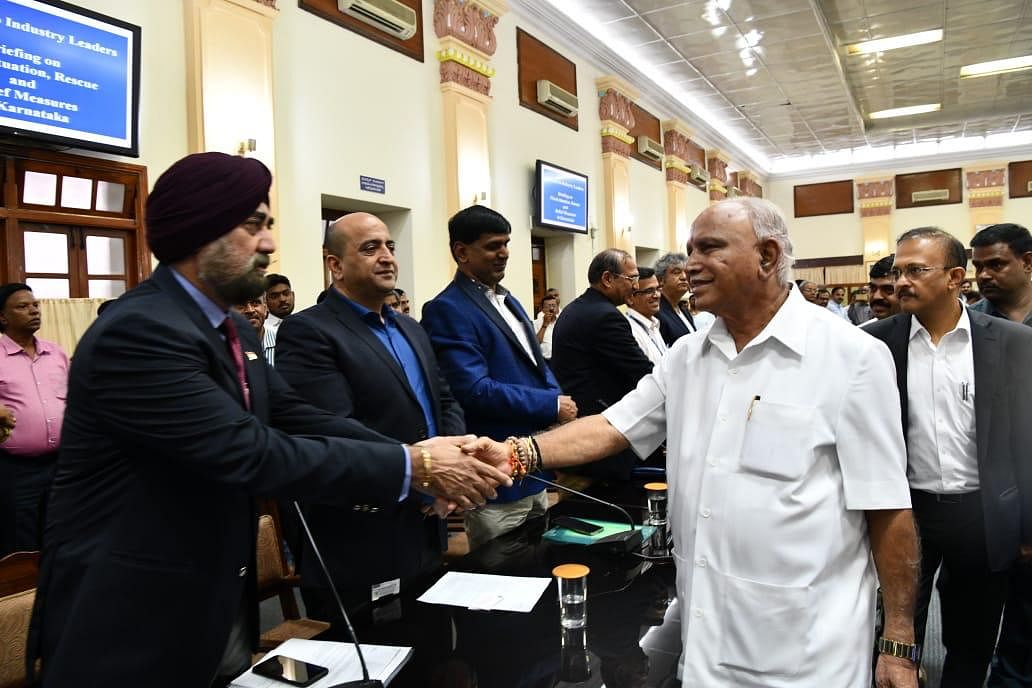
788	326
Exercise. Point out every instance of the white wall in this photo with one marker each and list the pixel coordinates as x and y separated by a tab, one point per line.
842	235
648	196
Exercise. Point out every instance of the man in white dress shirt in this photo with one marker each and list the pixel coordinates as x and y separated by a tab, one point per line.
642	306
786	472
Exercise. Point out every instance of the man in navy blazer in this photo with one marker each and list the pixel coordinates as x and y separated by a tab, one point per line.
965	388
174	423
488	351
355	356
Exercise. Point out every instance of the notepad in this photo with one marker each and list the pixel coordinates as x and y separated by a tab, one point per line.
486	591
383	662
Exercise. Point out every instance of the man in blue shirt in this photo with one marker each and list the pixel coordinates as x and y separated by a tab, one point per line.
353	355
488	350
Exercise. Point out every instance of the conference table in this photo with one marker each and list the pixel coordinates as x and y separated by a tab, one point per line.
631	637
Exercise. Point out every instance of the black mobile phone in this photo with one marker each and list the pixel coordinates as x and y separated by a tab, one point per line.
576	525
290	670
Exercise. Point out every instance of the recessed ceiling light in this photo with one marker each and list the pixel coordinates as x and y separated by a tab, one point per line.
905	41
906	111
1011	64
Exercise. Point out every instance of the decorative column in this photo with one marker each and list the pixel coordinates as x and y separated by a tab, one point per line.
716	165
876	200
467	42
676	137
986	188
229	91
614	109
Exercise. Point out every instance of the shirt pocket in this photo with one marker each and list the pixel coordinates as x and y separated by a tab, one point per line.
778	440
767	628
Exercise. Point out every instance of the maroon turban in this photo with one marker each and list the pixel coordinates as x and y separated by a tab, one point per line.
200	198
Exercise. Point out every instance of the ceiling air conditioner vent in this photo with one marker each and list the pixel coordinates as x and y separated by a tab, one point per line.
650	148
389	16
930	195
555	98
699	174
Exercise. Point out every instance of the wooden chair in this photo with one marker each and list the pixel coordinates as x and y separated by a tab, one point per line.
18	573
276	580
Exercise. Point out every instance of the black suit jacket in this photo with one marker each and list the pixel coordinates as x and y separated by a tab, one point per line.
597	361
331	358
149	546
670	326
1002	353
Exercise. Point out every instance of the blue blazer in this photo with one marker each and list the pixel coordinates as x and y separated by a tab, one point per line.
501	390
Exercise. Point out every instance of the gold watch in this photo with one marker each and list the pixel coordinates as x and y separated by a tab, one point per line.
895	648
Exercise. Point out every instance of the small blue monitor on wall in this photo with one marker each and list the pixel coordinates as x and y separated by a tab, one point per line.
68	76
562	198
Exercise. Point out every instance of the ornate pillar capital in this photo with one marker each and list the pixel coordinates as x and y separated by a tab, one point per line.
986	186
615	100
467	41
875	196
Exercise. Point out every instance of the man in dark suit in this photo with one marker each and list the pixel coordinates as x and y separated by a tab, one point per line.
356	357
1002	256
488	351
174	422
965	386
594	354
675	318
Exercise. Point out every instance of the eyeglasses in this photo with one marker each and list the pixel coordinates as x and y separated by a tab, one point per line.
630	278
651	291
913	272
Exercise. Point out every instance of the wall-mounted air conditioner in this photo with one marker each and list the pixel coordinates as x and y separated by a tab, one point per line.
555	98
733	192
1029	187
930	195
389	16
650	148
699	174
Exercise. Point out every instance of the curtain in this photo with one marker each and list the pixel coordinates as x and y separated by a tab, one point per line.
66	320
846	274
815	275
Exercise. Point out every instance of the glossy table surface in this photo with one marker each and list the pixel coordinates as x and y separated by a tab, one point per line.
631	637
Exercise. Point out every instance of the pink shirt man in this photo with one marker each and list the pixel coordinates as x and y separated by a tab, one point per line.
34	391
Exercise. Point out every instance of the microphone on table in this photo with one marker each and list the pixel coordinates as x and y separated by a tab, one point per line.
623	542
365	681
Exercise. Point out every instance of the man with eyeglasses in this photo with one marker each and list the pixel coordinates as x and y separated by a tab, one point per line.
965	386
642	308
882	287
594	354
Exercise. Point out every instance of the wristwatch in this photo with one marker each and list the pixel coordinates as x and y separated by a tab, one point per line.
895	648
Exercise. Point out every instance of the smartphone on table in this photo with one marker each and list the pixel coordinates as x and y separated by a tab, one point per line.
290	670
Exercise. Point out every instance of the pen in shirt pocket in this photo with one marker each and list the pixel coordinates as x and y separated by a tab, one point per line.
748	416
964	391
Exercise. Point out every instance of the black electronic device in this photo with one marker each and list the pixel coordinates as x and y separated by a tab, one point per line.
624	542
289	670
365	681
576	525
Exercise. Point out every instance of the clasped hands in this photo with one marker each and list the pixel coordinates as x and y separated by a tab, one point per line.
464	471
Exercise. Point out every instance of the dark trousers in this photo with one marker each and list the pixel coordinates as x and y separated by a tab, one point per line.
952	532
24	484
1012	667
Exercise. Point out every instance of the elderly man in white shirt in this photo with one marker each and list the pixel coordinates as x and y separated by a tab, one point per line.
642	306
786	470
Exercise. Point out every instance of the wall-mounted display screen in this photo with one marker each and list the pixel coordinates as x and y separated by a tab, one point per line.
562	198
68	75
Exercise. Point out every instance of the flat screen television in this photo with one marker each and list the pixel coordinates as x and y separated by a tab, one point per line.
68	76
561	198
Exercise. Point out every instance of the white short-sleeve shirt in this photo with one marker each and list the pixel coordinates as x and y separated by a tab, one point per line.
774	454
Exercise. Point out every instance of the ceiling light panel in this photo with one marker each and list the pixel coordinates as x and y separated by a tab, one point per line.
895	42
908	111
1011	64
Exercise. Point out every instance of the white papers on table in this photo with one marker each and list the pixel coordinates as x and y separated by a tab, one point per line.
383	662
487	592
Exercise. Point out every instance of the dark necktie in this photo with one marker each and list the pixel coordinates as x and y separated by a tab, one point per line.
233	340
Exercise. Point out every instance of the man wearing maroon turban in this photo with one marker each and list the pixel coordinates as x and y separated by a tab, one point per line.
173	425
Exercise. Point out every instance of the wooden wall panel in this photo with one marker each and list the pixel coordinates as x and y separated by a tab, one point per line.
907	184
535	61
1020	174
828	198
645	124
696	154
413	47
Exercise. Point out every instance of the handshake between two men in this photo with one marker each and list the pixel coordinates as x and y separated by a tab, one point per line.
458	472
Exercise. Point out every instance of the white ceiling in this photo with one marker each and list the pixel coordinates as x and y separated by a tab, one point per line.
773	75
